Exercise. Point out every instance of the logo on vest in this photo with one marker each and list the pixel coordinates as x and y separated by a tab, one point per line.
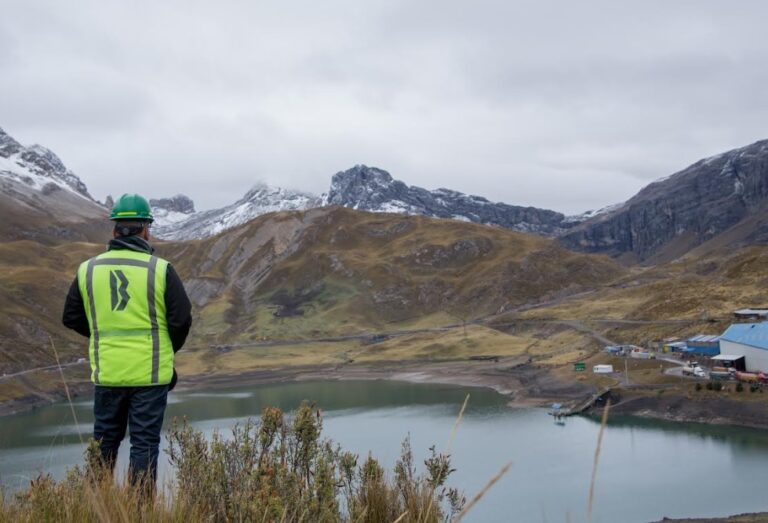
120	296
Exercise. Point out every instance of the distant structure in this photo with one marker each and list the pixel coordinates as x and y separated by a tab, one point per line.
751	314
703	344
749	340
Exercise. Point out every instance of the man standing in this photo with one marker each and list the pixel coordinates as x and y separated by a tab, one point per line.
133	307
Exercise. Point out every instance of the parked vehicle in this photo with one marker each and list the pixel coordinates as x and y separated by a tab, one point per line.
694	370
747	377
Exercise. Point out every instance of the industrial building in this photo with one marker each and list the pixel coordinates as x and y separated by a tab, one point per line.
751	314
703	344
749	340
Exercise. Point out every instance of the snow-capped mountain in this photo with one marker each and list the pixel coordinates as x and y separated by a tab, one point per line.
168	211
363	188
261	199
42	200
372	189
37	167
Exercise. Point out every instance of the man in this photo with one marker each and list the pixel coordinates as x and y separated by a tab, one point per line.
133	307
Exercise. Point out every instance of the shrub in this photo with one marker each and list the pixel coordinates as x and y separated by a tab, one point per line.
709	385
717	386
698	387
739	387
273	470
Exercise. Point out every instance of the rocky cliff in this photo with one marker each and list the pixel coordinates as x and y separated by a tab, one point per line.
720	198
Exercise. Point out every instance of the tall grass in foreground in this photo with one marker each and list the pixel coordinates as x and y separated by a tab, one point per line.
275	469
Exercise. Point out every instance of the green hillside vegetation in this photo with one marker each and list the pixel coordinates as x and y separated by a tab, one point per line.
337	271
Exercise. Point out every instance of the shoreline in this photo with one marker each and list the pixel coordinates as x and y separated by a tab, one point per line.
521	383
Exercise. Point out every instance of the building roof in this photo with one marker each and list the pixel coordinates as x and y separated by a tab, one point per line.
727	357
752	334
752	312
704	338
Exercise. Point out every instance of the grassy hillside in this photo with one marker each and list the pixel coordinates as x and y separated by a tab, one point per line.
34	280
301	275
334	271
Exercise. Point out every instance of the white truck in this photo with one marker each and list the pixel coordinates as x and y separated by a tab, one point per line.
694	370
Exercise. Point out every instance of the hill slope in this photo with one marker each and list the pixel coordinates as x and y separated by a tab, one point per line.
325	271
334	270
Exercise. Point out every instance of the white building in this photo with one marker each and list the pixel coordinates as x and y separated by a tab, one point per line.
749	340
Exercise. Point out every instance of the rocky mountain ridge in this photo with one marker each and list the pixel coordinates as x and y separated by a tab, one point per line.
176	219
361	188
41	199
372	189
717	202
721	200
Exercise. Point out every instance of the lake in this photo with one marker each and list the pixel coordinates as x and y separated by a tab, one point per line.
647	469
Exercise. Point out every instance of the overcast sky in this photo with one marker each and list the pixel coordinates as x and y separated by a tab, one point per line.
562	105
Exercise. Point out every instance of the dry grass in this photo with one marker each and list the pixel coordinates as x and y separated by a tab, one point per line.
452	344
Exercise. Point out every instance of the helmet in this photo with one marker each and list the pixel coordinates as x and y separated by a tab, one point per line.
131	207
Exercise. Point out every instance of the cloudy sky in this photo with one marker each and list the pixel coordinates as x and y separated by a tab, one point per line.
563	105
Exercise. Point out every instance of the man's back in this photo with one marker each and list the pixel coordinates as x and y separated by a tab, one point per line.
133	308
123	293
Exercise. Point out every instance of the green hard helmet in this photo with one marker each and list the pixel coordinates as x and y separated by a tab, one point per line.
131	207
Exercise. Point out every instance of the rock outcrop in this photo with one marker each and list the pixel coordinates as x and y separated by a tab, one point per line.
675	214
371	189
179	203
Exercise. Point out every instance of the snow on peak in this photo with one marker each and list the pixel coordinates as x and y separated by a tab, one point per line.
593	213
260	199
37	167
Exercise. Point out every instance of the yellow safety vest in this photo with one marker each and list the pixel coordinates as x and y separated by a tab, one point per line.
124	296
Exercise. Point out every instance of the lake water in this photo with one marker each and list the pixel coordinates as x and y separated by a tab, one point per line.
647	469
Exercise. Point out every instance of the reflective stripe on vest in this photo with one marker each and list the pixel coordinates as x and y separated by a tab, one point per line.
130	344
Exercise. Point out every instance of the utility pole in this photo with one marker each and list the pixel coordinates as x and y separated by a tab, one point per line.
626	370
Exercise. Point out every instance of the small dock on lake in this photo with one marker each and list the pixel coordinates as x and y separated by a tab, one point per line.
558	411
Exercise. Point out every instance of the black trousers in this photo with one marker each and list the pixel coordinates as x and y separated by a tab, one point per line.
141	411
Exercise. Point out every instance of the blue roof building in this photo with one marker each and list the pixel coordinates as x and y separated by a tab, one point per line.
749	340
703	344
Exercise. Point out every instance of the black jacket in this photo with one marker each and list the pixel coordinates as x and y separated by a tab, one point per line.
177	306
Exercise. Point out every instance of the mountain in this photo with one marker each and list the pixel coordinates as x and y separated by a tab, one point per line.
176	219
42	200
301	274
169	211
333	270
371	189
720	201
362	188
